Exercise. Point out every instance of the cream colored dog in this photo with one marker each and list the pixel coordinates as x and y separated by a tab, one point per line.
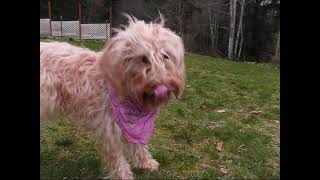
116	92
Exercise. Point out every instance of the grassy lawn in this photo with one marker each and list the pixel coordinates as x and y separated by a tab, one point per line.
236	105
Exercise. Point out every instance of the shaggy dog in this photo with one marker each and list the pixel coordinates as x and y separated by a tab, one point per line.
116	92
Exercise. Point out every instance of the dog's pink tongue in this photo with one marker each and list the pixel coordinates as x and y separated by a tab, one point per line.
161	91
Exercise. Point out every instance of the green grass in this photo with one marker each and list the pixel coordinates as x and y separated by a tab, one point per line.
187	130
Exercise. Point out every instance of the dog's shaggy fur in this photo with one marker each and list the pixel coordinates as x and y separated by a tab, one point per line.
74	81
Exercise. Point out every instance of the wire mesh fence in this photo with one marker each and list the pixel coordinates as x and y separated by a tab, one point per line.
73	29
56	28
75	19
45	27
70	29
95	31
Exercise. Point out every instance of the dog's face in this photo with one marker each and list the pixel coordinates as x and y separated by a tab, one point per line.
145	62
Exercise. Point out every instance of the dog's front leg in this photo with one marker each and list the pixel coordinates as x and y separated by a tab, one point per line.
142	158
109	137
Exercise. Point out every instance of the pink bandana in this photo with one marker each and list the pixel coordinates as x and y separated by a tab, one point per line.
136	124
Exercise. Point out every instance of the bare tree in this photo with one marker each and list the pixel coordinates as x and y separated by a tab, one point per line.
241	43
242	2
211	30
278	46
276	57
180	18
277	53
221	28
213	25
233	7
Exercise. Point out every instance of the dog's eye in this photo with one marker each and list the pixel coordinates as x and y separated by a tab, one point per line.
145	60
165	56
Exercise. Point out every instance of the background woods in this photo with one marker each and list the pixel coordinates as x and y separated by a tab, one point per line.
235	29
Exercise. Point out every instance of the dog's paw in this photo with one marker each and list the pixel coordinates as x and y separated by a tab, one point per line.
123	176
150	165
122	173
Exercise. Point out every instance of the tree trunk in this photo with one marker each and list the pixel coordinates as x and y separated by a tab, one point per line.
216	32
232	27
241	43
239	27
276	58
180	18
277	53
211	31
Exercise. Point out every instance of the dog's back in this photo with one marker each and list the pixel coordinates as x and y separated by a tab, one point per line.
49	95
63	75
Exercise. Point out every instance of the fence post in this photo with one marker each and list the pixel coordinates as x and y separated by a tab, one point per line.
110	25
106	29
49	13
79	12
61	26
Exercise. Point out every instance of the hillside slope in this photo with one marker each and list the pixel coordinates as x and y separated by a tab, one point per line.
236	105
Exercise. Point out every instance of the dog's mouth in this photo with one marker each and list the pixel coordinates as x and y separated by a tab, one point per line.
158	95
151	98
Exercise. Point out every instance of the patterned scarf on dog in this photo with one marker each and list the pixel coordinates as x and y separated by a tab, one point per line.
136	123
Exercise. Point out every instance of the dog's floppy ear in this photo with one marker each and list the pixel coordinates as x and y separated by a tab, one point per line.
114	52
113	45
111	63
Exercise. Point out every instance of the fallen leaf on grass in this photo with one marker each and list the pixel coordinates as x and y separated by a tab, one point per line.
221	111
219	146
211	124
223	169
255	112
229	161
188	86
